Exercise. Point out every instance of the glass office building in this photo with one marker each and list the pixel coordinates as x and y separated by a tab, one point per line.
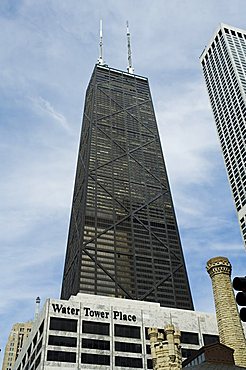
123	238
224	67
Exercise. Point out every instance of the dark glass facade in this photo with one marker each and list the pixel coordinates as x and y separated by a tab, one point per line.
123	238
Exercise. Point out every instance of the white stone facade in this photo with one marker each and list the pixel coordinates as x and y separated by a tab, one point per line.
110	331
224	68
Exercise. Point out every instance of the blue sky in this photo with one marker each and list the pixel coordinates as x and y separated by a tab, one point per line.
48	51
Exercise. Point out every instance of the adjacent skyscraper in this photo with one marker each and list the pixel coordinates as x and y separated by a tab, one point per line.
123	238
224	67
17	337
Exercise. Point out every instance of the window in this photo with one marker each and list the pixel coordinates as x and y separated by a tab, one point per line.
39	345
61	356
148	350
41	328
209	339
96	344
23	361
149	363
87	358
35	340
146	333
62	341
37	362
95	327
191	338
128	362
33	356
127	331
63	324
187	352
128	347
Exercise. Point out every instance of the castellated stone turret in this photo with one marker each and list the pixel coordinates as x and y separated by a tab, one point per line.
165	348
229	324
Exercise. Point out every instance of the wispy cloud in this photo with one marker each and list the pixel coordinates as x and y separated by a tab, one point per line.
188	137
44	106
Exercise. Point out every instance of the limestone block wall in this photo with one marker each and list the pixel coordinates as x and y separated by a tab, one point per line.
165	348
229	324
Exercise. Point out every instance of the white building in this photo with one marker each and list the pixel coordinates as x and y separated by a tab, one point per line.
224	67
89	331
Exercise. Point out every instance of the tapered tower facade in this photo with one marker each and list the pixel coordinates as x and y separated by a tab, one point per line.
123	238
224	67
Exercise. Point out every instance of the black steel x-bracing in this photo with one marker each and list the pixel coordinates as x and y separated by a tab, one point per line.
127	191
129	214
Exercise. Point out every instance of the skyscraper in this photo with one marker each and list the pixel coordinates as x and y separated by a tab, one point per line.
123	238
17	337
224	67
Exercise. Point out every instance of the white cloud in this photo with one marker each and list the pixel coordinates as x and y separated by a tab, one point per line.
188	135
44	106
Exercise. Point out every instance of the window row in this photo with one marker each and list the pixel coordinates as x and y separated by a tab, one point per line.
93	327
87	358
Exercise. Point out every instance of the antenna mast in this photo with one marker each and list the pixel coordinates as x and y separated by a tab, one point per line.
130	68
100	59
38	300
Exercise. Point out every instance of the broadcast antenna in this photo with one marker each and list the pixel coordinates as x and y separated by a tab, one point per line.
130	68
100	59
